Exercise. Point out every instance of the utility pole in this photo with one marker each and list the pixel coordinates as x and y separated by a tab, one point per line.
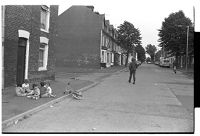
187	48
186	60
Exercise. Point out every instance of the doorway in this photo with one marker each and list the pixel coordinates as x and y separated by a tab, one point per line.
21	58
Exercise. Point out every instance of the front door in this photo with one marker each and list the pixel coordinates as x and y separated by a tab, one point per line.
21	55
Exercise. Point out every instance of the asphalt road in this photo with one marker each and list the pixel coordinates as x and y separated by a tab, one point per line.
160	101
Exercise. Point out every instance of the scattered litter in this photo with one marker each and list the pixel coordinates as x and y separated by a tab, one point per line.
74	78
16	121
26	116
77	96
9	123
20	119
51	106
93	128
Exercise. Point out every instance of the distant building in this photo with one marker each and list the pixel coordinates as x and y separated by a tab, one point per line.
85	39
28	42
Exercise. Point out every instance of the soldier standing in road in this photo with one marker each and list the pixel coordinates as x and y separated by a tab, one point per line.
132	69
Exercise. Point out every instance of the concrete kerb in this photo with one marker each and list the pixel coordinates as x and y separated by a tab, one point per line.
14	120
20	117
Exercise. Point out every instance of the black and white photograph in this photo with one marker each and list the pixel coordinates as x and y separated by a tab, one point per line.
98	66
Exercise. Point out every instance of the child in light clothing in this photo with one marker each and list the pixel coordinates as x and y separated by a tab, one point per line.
35	94
49	91
25	86
20	91
46	89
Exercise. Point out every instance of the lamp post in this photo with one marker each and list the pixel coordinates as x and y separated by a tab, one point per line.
186	60
187	48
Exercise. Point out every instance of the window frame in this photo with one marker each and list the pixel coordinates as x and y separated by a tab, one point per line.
43	49
44	41
47	9
102	56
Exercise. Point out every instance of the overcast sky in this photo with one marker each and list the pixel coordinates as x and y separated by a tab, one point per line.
147	15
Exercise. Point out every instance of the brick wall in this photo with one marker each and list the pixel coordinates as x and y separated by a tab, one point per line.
27	18
78	41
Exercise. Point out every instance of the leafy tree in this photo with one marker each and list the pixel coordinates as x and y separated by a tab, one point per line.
151	49
158	55
173	34
140	53
128	37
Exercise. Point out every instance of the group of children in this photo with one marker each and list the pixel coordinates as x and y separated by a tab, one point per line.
43	91
36	92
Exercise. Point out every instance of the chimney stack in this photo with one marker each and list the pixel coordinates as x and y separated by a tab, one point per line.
90	7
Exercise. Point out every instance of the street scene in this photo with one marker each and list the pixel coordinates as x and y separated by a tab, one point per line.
160	101
80	67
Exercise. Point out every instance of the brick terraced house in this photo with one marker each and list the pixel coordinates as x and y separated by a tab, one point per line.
85	39
28	43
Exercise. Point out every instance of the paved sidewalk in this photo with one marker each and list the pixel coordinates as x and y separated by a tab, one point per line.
13	106
189	73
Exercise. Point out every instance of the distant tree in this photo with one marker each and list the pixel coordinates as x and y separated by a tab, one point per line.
158	55
173	34
128	37
151	49
140	53
148	59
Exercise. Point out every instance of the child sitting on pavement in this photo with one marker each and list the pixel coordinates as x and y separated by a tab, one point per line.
25	86
35	94
43	89
20	91
46	90
74	93
68	89
49	91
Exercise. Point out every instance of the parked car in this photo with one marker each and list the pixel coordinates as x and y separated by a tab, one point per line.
156	62
164	62
148	62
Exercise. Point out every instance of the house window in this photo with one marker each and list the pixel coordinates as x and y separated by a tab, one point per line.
102	56
108	58
111	57
43	54
102	40
45	14
108	43
105	41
